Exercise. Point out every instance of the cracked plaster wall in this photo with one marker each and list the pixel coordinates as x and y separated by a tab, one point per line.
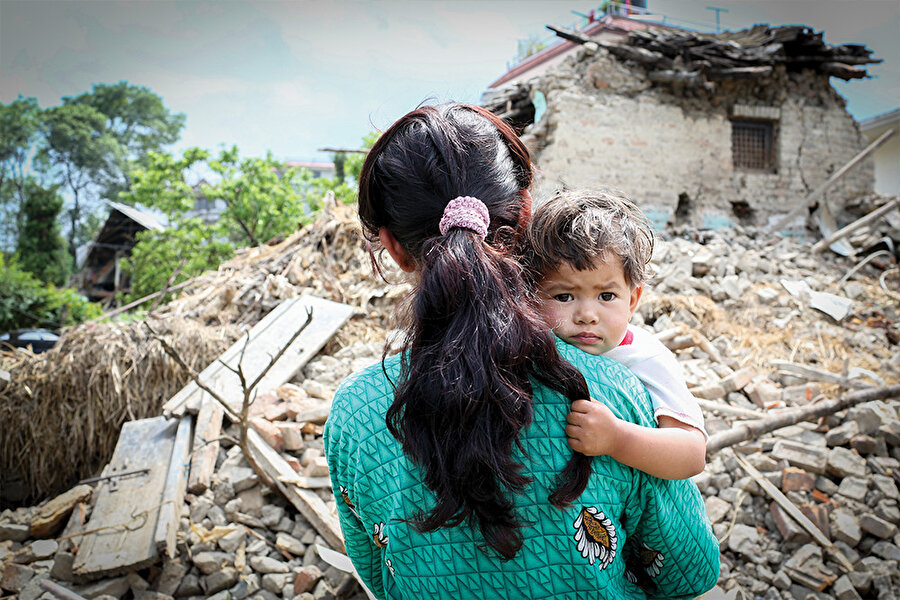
607	124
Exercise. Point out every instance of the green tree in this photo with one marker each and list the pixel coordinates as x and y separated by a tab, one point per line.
41	249
139	121
26	302
262	201
19	122
260	196
76	149
191	248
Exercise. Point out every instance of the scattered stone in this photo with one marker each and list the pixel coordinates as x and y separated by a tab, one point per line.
230	541
800	455
15	576
864	444
62	566
219	580
843	589
842	434
15	532
210	562
116	587
790	530
877	526
744	540
854	488
797	480
886	486
306	579
265	564
844	463
886	550
190	586
170	578
274	582
271	515
52	516
290	544
717	508
42	549
845	527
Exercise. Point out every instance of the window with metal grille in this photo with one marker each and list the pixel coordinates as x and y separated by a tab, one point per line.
752	145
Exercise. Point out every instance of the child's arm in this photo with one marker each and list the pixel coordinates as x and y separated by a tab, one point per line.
672	451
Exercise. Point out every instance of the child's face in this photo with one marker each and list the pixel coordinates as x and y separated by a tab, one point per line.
589	309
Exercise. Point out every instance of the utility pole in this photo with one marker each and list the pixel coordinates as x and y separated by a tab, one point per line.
718	10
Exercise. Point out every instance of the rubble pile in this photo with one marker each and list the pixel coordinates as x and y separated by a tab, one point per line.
760	324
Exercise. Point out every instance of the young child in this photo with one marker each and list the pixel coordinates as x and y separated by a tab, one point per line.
588	252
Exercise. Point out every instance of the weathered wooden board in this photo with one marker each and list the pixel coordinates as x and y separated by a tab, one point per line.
306	501
206	445
173	492
120	535
266	338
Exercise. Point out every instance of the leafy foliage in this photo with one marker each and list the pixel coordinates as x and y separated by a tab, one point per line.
262	201
19	121
529	47
261	198
26	302
158	254
41	249
139	122
89	145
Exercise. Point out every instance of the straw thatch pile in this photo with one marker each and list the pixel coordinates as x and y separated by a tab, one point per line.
327	259
63	410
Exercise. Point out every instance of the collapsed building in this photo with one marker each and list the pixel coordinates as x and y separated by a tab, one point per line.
706	130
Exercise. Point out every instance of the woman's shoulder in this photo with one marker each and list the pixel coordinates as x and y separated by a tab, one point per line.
368	388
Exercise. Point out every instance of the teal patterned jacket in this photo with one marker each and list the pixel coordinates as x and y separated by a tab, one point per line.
660	528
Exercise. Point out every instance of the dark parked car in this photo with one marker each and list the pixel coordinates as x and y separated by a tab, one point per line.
40	340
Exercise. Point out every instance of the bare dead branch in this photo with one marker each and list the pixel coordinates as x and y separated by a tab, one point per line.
752	429
194	375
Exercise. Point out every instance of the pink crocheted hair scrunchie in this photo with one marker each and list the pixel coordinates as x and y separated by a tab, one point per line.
465	212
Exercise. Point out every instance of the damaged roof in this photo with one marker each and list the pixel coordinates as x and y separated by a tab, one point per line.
751	52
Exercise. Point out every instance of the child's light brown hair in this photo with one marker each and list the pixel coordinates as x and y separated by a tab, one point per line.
578	227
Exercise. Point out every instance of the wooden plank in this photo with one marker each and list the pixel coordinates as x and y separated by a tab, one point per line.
192	393
266	338
203	458
791	509
306	501
120	534
173	492
857	224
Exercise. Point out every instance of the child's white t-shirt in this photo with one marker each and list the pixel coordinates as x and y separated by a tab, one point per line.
659	371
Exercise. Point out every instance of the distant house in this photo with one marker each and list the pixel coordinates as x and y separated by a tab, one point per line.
887	157
317	169
100	276
708	130
207	210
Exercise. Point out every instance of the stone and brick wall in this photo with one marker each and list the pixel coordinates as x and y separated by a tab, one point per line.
607	124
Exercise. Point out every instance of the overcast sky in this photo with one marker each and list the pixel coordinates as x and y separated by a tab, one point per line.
292	77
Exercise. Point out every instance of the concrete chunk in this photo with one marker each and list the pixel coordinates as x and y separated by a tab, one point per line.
802	456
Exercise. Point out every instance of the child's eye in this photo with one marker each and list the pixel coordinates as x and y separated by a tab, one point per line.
563	297
607	296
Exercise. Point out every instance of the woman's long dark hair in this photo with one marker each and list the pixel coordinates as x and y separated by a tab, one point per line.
473	339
